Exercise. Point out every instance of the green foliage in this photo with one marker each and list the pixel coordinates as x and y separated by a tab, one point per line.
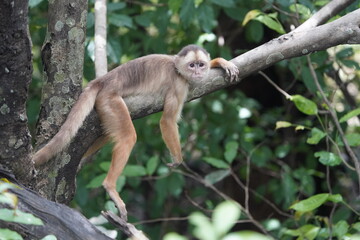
223	219
285	155
15	215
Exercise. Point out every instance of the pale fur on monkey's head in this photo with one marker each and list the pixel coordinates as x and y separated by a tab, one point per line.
192	54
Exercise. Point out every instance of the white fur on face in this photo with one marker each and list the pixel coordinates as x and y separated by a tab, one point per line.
196	56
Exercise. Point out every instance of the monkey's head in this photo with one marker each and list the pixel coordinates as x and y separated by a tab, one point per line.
193	63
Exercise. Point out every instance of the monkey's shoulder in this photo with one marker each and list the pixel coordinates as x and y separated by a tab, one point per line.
154	58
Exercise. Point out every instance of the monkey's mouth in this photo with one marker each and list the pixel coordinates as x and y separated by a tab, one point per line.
197	76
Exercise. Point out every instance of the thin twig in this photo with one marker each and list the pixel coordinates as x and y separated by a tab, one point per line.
288	96
195	176
242	185
335	120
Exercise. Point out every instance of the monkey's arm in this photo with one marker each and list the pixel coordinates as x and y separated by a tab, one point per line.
169	128
231	70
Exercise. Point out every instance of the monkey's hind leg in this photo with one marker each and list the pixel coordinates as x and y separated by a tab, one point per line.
118	125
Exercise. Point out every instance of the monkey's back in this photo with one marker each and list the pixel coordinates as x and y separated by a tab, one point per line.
148	74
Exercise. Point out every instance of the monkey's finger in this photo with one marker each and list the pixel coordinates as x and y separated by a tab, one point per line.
232	73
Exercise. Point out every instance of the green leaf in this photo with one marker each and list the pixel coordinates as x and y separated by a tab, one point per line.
134	171
216	162
308	79
49	237
204	13
120	183
254	32
152	164
120	20
301	9
304	105
283	124
251	15
225	216
270	22
231	151
96	181
217	176
282	150
203	230
9	198
340	229
115	6
353	139
351	64
174	236
6	234
356	226
19	216
345	53
246	235
316	136
349	115
187	12
336	198
310	203
224	3
105	166
328	158
144	19
174	5
309	231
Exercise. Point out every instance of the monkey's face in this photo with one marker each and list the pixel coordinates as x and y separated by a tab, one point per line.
197	70
194	66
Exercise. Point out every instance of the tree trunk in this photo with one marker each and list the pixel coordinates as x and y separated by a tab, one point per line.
63	56
15	77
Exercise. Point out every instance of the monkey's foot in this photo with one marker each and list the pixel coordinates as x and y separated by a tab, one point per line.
173	165
123	214
127	228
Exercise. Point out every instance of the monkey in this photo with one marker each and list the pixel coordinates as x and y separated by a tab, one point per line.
166	75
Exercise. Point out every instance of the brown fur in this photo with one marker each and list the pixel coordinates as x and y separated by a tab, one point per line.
149	74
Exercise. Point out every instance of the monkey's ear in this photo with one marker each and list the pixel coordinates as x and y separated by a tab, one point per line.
176	59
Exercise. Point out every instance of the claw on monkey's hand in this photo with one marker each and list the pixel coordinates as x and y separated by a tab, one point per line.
232	72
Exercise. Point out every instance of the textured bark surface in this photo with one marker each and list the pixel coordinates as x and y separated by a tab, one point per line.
15	77
59	220
63	56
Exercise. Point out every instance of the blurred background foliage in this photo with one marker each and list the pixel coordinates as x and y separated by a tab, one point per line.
248	142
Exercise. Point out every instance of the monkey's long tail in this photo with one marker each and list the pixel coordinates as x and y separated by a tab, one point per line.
68	130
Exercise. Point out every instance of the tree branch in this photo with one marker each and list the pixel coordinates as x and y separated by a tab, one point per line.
100	38
324	14
58	219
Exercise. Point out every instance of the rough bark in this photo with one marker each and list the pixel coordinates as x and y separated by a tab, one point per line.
63	55
59	220
15	77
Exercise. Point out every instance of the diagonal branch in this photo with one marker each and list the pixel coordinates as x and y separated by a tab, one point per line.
324	14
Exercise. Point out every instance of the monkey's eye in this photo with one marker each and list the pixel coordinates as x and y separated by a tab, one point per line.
192	65
201	64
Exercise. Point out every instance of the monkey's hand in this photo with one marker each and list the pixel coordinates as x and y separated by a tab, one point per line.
231	70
